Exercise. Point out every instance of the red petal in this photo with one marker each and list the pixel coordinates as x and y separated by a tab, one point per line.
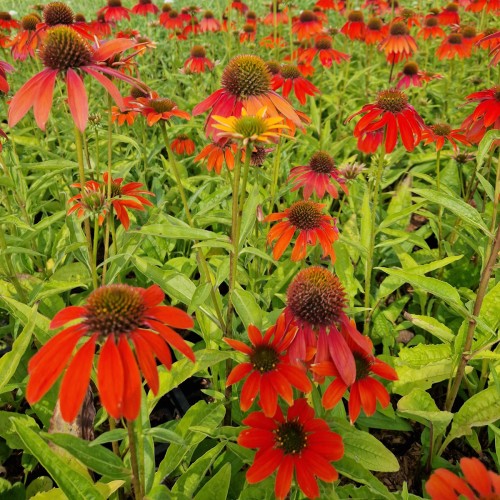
342	357
159	346
43	101
256	438
153	296
354	404
254	335
265	463
320	466
67	314
239	346
296	376
238	372
284	477
110	378
476	475
333	394
174	339
132	380
107	84
146	357
367	397
112	47
77	99
268	396
249	391
305	479
384	370
172	316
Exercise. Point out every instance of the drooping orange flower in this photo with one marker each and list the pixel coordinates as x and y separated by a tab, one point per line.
156	108
114	11
449	15
7	22
307	25
126	115
376	31
278	17
492	41
355	26
399	44
268	370
331	5
198	62
60	14
27	40
478	483
410	76
453	46
114	315
100	27
171	20
388	117
431	29
65	52
442	132
323	49
217	154
183	145
297	443
145	7
319	176
313	226
248	33
209	23
408	16
290	78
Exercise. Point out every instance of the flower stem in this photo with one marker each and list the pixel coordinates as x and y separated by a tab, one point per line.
276	174
440	208
136	479
371	245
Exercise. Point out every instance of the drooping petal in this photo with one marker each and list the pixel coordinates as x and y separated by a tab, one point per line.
268	395
77	99
333	394
131	403
305	479
110	378
238	372
174	339
342	356
172	316
146	358
477	475
159	346
249	391
42	103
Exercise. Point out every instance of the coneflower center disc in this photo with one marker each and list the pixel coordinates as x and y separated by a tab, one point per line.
455	39
307	16
173	14
198	51
114	309
355	16
290	71
246	75
375	24
468	32
291	437
430	22
452	7
399	29
166	7
392	100
57	13
5	16
407	13
323	43
250	126
144	2
316	296
208	15
321	162
442	129
114	3
29	22
363	365
64	48
274	67
249	28
410	68
162	104
264	358
305	215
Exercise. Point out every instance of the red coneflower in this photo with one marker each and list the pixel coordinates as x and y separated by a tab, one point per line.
7	22
113	314
306	25
315	303
323	48
114	11
65	52
183	145
5	68
375	31
453	46
313	226
171	20
145	7
431	29
27	40
318	12
399	44
100	27
126	115
486	115
492	41
58	13
319	176
449	15
95	200
270	42
268	370
217	154
478	483
280	17
331	5
209	23
469	35
290	78
299	443
476	5
442	132
239	6
247	33
355	26
251	18
389	116
410	76
365	391
409	17
246	83
127	33
198	62
156	108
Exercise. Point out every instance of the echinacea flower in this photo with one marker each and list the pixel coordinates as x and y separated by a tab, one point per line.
156	108
408	16
101	28
365	391
246	83
449	15
198	62
171	20
59	14
114	11
431	29
384	120
113	315
296	443
410	76
7	22
442	132
306	25
5	68
399	44
209	23
323	49
375	31
126	115
453	46
313	226
145	7
183	145
331	5
276	17
492	41
290	78
478	483
239	6
268	371
319	176
27	40
64	52
250	128
355	26
486	115
248	33
217	154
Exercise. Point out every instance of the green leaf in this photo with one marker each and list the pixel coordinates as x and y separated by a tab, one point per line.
10	361
109	437
485	146
179	233
490	308
161	435
419	406
8	432
73	484
249	215
96	458
247	308
481	409
218	486
431	325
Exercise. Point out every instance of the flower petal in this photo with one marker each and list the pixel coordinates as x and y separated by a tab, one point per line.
110	378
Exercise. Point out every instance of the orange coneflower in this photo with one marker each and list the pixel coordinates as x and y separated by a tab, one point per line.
246	83
453	46
7	22
442	132
100	27
338	6
126	115
114	315
313	225
431	29
298	442
156	108
478	483
326	54
58	13
114	11
410	76
271	42
449	15
251	18
355	26
209	23
278	17
306	25
171	20
399	44
145	7
65	52
248	33
376	31
183	145
268	369
389	116
239	6
491	41
290	78
470	36
319	176
486	115
197	62
27	39
409	17
217	154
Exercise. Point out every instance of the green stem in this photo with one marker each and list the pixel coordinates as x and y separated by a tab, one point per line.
371	247
276	175
440	208
136	478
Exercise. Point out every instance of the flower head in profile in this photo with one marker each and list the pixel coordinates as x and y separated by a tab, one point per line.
478	483
298	443
325	52
431	29
198	62
267	370
411	76
376	31
171	20
145	7
183	145
355	26
290	78
442	132
307	25
449	15
27	40
319	176
59	14
113	316
248	33
454	45
114	11
156	108
66	54
278	16
391	115
209	23
399	44
250	128
313	225
7	22
491	41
